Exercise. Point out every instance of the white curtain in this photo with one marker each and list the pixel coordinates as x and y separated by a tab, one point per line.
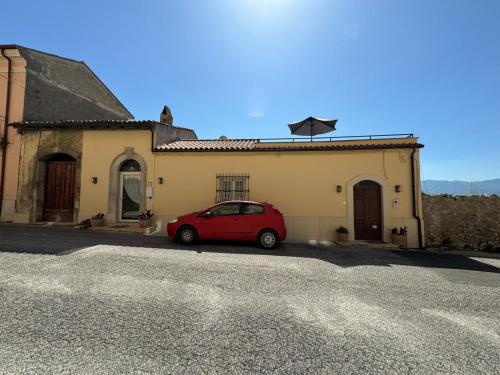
132	185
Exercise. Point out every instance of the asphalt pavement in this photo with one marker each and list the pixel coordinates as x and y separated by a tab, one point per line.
81	302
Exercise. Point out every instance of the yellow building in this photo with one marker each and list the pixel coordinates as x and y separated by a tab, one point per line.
69	150
122	168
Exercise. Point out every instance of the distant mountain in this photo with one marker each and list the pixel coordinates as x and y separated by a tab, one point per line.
461	187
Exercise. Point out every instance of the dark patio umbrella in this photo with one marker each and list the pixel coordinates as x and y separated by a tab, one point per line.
312	126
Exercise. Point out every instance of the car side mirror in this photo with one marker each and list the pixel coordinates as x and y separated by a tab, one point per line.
206	214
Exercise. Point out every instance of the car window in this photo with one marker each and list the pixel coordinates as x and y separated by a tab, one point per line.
226	209
251	209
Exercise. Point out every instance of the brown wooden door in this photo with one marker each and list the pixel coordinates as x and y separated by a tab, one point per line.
59	197
367	211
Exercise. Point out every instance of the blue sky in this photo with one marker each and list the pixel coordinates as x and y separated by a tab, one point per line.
246	68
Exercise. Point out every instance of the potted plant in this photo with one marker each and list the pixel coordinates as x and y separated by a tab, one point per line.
145	219
400	237
342	234
97	220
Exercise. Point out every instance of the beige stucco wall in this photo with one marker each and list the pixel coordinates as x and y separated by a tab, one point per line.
302	184
15	114
100	148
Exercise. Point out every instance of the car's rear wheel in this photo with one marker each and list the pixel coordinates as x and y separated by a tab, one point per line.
186	235
268	239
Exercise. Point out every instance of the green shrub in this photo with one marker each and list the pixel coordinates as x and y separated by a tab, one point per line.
490	248
447	243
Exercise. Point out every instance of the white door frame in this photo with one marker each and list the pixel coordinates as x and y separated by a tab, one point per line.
120	201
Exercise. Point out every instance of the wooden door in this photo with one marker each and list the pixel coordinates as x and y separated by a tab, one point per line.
367	211
59	197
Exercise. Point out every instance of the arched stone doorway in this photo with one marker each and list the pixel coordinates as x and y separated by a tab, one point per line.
368	223
59	188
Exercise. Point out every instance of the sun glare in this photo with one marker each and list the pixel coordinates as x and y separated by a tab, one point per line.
267	8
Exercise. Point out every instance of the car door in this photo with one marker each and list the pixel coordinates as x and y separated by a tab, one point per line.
251	220
223	222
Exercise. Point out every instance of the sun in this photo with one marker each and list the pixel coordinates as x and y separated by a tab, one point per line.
267	8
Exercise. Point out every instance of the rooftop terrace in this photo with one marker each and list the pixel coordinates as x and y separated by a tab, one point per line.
362	142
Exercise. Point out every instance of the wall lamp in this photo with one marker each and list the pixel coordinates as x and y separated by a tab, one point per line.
397	188
160	180
339	189
94	180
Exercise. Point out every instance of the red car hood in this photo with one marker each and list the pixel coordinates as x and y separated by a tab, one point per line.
192	214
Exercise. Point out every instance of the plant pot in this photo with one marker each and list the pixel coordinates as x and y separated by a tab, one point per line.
400	240
144	223
94	223
342	237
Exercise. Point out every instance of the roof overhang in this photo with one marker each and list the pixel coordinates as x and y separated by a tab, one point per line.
249	145
86	125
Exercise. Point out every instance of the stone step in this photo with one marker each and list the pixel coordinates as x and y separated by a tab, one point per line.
374	245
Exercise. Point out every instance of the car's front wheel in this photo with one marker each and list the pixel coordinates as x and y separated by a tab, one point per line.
268	239
186	235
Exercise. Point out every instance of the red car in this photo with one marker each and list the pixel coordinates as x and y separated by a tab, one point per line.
231	220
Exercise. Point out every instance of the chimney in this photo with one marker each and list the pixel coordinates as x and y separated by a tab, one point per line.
166	116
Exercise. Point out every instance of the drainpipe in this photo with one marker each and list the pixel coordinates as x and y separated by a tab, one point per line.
414	195
5	130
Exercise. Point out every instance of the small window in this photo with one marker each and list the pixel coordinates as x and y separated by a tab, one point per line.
251	209
232	187
130	166
226	209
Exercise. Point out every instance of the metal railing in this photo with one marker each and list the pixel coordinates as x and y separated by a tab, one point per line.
342	138
232	186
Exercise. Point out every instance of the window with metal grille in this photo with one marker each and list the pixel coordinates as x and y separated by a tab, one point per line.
230	187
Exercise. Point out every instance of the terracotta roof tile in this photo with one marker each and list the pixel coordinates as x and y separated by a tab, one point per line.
253	145
209	145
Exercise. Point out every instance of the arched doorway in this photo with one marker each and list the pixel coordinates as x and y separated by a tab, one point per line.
367	211
59	188
130	190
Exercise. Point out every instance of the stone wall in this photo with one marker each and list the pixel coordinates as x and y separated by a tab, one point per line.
62	89
37	147
462	222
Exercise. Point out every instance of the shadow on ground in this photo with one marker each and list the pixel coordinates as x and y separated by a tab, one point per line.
61	240
360	256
